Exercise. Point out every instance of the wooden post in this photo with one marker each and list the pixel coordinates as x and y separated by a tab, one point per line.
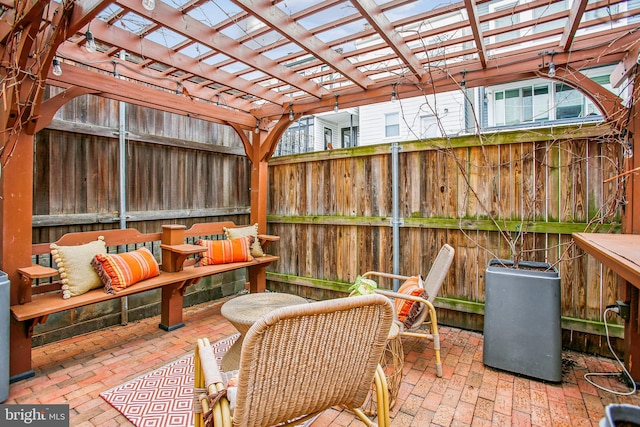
172	234
16	187
631	224
263	146
259	179
171	306
172	296
259	188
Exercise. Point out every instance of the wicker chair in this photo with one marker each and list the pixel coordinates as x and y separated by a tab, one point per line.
431	285
298	361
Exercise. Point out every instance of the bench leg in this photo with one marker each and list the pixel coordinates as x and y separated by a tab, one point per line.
172	300
258	278
20	350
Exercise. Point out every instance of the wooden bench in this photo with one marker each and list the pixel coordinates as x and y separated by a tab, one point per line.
40	286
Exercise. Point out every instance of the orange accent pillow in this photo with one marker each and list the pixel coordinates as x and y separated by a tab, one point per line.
408	311
225	251
118	272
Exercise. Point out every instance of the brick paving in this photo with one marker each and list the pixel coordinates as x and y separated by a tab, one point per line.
75	371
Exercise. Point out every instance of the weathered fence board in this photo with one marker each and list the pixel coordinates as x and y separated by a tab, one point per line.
334	208
536	188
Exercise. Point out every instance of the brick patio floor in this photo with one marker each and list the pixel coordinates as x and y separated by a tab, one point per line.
75	371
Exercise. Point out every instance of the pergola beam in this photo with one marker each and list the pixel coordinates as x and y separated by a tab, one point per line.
474	23
83	12
627	66
143	75
151	50
280	22
516	67
373	14
189	27
575	15
137	94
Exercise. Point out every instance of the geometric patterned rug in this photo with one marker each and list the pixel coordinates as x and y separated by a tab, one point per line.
164	397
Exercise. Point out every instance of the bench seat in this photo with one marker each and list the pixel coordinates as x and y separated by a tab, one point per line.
45	304
39	292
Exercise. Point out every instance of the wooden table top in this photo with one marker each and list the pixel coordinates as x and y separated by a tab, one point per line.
246	309
619	252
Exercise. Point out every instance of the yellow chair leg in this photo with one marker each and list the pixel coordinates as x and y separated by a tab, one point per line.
382	398
436	339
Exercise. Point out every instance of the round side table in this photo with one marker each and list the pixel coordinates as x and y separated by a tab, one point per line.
243	311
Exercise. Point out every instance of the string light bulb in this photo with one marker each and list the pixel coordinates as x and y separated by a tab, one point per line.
57	69
552	69
257	129
291	116
394	95
149	4
90	41
336	108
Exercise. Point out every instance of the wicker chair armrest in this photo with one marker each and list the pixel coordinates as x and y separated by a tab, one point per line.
210	368
209	374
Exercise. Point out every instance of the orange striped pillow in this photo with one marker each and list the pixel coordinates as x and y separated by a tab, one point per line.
118	272
408	311
226	251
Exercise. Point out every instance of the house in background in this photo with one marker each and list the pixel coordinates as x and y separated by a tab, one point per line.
525	104
530	103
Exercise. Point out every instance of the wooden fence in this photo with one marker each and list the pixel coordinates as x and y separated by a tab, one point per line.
178	170
333	209
528	188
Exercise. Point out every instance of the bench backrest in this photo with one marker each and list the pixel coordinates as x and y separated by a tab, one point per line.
120	240
112	239
205	229
117	240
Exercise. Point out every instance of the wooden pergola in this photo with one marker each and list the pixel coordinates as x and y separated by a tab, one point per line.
249	64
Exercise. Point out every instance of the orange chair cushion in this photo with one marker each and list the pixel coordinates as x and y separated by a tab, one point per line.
119	271
225	251
408	311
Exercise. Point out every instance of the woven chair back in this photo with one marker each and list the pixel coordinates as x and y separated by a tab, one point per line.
307	358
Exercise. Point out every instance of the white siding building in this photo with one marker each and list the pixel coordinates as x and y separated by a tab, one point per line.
530	103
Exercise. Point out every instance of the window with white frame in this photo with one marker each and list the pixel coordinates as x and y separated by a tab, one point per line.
569	102
521	105
429	126
391	125
297	139
536	101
